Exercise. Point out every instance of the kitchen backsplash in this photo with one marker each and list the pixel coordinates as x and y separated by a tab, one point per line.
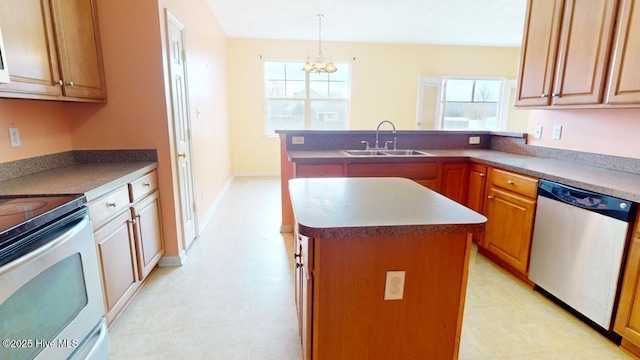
23	167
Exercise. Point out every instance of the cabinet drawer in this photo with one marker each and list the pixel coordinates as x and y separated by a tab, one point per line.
143	186
108	206
519	184
413	171
324	170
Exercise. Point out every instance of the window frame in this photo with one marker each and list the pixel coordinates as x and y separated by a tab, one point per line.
438	82
307	99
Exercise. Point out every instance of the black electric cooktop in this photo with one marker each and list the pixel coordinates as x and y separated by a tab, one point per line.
20	215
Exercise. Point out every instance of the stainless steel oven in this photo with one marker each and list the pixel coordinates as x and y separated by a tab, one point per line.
51	302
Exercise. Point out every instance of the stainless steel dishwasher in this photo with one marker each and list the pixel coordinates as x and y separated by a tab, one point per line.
578	244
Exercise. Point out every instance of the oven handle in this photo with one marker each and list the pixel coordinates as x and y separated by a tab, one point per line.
71	226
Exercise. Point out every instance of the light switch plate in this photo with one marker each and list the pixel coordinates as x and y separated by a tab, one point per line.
537	134
557	131
297	140
394	285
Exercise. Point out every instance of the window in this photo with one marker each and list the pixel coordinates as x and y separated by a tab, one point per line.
296	100
463	103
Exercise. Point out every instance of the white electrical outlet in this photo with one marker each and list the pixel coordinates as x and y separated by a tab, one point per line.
557	131
14	137
297	140
394	285
537	134
474	140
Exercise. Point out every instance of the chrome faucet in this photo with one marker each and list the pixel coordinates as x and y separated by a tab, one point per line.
395	139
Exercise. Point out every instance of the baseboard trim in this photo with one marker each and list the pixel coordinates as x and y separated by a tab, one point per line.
173	261
205	221
257	174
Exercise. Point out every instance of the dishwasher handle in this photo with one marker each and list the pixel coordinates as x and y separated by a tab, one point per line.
603	204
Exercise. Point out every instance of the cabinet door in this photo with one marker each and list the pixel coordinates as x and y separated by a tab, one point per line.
79	49
29	40
455	182
509	228
585	42
475	202
538	56
149	239
117	256
624	81
319	170
628	317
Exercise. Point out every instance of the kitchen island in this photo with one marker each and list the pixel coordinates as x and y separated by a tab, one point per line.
361	240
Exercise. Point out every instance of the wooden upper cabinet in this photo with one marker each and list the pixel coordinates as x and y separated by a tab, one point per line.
538	53
79	50
624	81
575	73
53	50
33	64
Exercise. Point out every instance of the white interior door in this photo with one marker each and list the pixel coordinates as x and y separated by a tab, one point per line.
182	126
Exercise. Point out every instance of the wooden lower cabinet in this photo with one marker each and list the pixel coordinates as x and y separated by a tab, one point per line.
475	199
627	322
319	170
455	182
426	174
116	250
129	241
149	239
510	209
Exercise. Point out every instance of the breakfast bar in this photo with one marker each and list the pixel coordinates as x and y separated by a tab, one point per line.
381	268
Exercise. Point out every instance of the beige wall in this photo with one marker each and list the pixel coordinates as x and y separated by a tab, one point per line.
384	85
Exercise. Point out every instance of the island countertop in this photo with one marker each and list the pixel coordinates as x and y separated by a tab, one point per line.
366	207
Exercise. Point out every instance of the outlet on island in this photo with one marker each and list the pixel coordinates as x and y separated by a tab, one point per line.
474	140
394	285
297	140
14	137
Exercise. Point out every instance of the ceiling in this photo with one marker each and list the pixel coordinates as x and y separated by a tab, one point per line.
451	22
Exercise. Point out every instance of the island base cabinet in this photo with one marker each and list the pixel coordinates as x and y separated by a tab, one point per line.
351	319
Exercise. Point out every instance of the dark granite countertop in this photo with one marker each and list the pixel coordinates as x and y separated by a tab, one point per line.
366	207
616	183
90	179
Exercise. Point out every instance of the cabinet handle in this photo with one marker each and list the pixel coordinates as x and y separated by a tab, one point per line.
111	204
295	256
70	83
182	155
59	82
544	96
133	222
490	197
298	265
555	95
146	184
481	174
510	182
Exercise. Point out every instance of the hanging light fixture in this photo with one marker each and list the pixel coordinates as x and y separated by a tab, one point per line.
320	65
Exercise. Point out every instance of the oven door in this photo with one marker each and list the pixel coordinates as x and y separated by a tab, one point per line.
51	297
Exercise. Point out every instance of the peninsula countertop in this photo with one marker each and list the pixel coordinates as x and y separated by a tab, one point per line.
620	184
367	207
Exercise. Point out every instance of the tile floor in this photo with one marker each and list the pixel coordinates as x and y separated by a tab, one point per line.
233	299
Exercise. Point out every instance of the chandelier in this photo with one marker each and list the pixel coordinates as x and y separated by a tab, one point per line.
320	65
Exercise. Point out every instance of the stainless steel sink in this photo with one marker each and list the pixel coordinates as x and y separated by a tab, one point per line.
406	153
386	153
364	152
